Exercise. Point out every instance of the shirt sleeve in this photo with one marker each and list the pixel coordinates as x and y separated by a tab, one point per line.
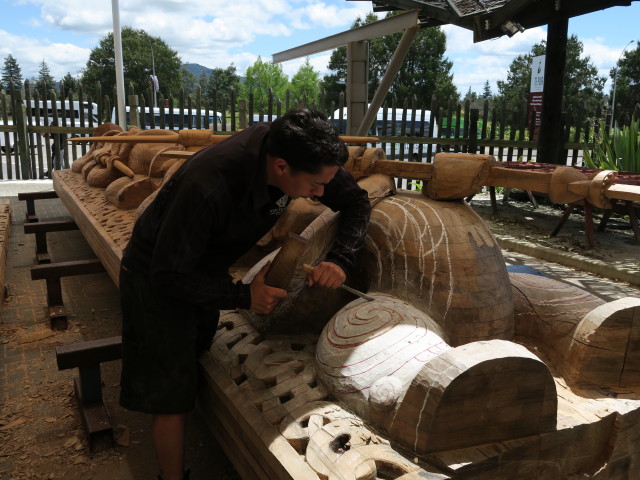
182	241
344	195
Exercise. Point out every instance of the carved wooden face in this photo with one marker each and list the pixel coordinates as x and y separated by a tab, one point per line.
302	184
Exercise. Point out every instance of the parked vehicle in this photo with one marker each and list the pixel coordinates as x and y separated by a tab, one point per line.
44	113
399	123
72	117
174	118
416	124
7	143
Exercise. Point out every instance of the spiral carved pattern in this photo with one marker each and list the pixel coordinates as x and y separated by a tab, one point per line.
368	341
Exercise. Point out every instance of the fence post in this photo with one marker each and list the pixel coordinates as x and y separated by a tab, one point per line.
242	113
474	114
20	119
133	111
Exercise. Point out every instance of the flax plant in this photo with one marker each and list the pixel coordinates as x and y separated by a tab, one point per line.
618	149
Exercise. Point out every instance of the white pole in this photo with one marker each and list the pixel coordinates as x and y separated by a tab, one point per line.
117	47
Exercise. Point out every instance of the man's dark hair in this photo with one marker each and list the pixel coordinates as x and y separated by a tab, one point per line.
306	140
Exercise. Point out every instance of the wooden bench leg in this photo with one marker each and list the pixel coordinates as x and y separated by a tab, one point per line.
55	306
563	218
494	203
30	198
42	252
52	273
31	211
605	219
588	225
633	219
40	230
88	356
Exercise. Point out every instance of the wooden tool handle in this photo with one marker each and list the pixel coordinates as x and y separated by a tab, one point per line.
285	263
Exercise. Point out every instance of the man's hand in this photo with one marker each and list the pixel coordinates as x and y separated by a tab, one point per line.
263	297
326	274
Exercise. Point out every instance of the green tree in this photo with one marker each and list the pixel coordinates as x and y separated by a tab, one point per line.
222	80
305	84
45	81
263	76
11	74
627	84
424	73
70	83
486	91
582	86
471	96
203	80
189	81
137	48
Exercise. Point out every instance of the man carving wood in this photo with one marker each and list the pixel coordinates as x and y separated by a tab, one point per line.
174	278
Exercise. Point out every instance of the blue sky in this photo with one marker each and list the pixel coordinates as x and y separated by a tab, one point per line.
216	33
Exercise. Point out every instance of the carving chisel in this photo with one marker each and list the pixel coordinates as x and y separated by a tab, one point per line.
308	268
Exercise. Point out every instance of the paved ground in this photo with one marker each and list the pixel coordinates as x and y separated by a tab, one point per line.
40	429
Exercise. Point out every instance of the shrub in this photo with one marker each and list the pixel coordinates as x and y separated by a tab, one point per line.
616	150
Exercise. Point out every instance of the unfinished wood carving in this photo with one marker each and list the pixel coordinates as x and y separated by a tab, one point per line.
475	373
442	258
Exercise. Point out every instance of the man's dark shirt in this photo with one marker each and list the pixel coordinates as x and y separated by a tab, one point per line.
214	209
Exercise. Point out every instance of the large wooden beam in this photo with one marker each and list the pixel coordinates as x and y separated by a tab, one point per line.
551	124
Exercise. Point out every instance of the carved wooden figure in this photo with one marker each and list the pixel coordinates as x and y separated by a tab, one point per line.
475	372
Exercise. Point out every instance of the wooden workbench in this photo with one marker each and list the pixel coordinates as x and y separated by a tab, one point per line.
261	401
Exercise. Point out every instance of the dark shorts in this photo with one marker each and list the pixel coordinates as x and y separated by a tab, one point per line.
161	342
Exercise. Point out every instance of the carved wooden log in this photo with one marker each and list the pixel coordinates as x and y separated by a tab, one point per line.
87	167
389	363
127	193
458	175
101	177
441	258
170	171
589	340
105	129
547	312
141	155
605	346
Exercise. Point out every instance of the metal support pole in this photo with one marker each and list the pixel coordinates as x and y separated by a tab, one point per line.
117	47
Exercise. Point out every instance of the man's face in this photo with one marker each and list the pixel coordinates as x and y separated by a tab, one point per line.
303	184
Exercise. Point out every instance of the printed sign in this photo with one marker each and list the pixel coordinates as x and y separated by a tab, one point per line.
537	74
534	111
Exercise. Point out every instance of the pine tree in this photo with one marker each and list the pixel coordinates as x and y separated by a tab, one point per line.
45	81
486	91
11	74
70	83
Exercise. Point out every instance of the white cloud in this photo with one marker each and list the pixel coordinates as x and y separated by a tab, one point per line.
216	33
476	63
60	57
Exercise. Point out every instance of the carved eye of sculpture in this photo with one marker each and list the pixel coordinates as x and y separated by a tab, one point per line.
341	444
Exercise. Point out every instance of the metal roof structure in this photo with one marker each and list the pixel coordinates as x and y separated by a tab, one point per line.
494	18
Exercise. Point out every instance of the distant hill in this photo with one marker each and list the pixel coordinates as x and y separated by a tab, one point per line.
197	69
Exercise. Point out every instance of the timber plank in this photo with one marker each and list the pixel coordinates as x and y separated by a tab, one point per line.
91	212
